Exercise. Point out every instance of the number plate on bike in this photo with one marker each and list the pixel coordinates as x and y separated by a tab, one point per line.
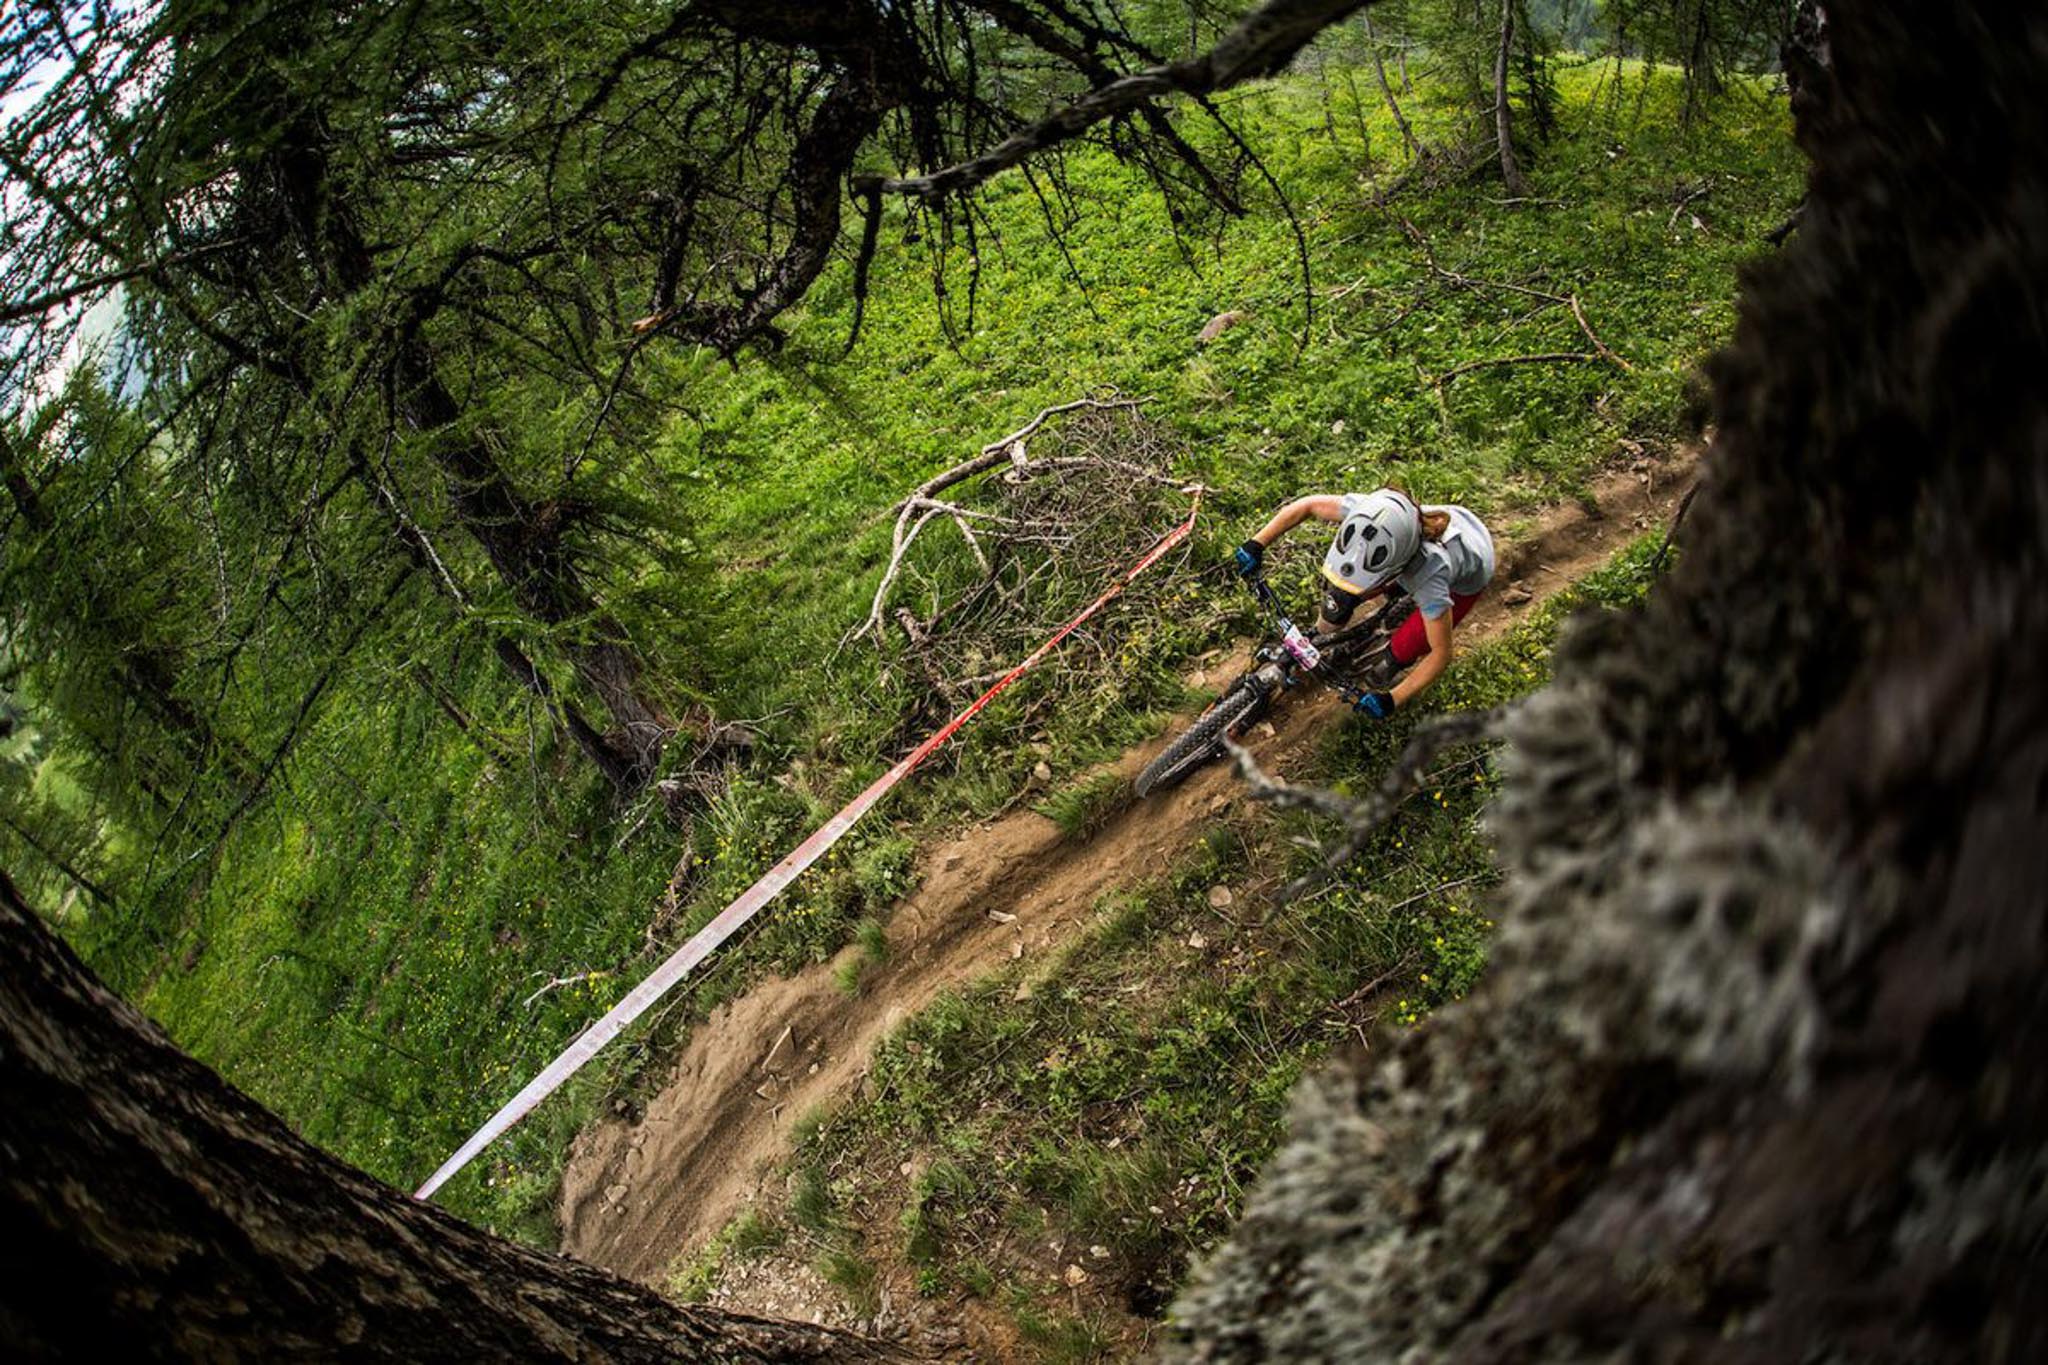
1301	647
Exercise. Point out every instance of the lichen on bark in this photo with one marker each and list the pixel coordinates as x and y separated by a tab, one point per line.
1757	1070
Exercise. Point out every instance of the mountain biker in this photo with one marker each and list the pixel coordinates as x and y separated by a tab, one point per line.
1441	556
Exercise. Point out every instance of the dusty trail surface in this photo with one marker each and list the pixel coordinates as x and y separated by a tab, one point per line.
638	1195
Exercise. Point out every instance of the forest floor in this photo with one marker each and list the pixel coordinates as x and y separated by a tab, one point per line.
647	1192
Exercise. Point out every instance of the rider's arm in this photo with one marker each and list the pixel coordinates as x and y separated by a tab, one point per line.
1323	507
1438	631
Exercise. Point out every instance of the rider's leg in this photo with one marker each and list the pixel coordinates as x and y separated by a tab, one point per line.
1411	643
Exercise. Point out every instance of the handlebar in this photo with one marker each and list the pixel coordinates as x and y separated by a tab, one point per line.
1324	673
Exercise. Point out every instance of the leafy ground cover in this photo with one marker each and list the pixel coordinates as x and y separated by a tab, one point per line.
387	953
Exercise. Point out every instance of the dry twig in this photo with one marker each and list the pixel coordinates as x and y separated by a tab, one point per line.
924	503
1361	816
1458	280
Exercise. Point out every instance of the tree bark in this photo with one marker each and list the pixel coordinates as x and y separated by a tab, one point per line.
154	1212
1503	127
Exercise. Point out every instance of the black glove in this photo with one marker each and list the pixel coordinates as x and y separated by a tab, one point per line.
1251	557
1378	705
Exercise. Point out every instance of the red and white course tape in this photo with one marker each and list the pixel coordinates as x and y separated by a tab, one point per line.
705	940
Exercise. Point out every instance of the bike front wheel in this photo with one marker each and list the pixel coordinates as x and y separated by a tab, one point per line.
1204	739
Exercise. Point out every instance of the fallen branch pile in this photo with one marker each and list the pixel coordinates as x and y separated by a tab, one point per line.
1037	518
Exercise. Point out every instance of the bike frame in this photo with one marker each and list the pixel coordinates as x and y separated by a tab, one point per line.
1295	653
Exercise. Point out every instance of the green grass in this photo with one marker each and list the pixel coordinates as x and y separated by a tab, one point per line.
1064	1339
363	954
1080	810
853	1276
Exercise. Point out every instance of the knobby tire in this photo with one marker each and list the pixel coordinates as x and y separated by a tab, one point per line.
1203	740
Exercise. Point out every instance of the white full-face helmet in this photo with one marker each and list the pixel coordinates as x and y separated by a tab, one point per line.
1377	539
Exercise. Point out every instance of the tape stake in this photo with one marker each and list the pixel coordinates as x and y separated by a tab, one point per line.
705	941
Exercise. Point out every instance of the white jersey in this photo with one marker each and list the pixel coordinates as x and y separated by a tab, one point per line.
1460	561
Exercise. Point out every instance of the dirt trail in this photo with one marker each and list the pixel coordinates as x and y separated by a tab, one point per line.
635	1196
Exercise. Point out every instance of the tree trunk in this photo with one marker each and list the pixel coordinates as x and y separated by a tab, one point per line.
618	768
1701	80
1758	1070
1379	69
154	1211
522	540
1510	170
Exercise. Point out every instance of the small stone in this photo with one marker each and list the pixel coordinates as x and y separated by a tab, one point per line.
1197	942
1218	325
1517	594
1075	1276
952	860
1100	1253
1017	949
1042	770
1337	427
1264	729
1218	805
907	1168
614	1193
1023	991
1220	897
766	1090
1002	917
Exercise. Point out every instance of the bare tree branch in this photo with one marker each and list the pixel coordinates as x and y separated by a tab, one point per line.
923	503
1261	45
1362	816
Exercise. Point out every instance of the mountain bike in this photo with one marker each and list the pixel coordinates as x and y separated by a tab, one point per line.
1352	662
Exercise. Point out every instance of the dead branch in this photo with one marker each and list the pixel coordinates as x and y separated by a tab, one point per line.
1362	816
1263	43
1584	326
923	504
1685	196
1406	963
556	983
1458	280
1547	358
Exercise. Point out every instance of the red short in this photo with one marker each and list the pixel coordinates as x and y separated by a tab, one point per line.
1411	641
